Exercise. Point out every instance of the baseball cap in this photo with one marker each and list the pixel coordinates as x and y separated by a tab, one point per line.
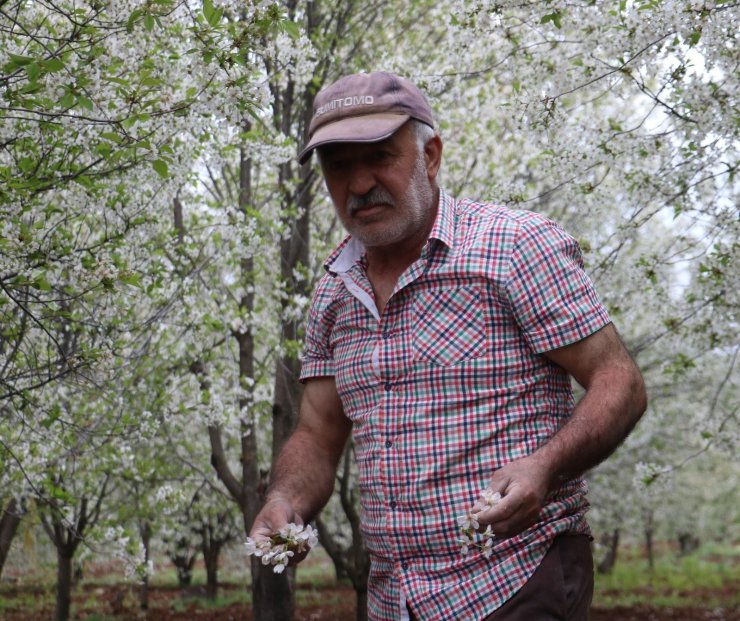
364	107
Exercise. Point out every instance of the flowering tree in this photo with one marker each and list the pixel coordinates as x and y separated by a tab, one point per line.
103	112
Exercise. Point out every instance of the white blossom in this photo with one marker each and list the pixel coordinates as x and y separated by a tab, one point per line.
277	550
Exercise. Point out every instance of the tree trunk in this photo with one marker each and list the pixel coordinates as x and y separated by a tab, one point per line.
211	554
273	595
64	585
361	606
610	558
145	530
184	566
66	538
351	561
687	543
649	551
8	528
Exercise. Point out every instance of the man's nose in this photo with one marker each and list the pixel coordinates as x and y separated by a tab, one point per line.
361	180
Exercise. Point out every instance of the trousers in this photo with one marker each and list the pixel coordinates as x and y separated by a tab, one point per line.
559	590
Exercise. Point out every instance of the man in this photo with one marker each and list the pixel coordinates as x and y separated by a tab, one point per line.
444	335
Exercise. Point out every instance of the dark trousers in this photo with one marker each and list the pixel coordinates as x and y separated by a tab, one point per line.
559	590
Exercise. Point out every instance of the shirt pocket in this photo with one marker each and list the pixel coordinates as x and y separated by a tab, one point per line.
449	325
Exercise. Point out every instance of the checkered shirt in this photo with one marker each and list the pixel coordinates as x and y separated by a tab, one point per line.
446	386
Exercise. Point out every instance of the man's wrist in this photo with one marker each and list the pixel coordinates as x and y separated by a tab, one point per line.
546	462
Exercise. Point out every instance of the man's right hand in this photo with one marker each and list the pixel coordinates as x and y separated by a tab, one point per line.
275	514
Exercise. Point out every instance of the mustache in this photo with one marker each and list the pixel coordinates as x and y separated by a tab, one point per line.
373	197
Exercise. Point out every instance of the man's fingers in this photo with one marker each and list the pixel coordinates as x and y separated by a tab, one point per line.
262	532
489	497
500	511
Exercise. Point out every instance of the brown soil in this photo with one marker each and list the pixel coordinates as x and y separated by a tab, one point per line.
326	603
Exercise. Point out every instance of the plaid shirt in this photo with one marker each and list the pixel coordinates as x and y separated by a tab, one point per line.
445	387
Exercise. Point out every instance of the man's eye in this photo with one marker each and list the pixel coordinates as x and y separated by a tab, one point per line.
337	165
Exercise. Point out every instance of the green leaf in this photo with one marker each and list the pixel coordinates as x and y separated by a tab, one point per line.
55	491
117	80
53	65
694	37
212	14
54	414
113	137
20	61
84	102
133	18
291	28
553	17
33	71
67	100
161	167
31	87
84	181
130	278
41	283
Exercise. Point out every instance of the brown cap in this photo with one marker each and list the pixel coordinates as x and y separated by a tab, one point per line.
364	107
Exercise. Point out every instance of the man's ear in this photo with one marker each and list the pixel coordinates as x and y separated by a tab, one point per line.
433	156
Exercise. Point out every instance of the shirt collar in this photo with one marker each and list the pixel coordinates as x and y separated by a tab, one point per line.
351	250
444	223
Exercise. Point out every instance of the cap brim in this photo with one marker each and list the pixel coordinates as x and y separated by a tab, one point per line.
365	128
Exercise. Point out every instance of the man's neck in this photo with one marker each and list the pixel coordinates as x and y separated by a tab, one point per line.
385	265
395	258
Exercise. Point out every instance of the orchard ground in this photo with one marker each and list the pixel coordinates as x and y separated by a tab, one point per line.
704	586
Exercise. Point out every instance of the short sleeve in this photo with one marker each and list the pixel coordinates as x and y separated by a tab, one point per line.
552	298
317	358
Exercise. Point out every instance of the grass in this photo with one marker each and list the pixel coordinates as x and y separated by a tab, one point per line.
242	597
708	578
33	602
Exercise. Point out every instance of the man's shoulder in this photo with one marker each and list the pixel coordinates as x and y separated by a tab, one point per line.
500	222
326	285
497	214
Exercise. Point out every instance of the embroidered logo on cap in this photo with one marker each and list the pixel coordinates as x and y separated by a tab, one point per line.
345	102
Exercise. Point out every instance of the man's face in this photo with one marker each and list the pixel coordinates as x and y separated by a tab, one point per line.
382	191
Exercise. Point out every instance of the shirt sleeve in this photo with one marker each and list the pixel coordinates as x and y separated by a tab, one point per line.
317	359
552	298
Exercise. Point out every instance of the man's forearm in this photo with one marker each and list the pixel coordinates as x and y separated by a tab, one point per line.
304	475
602	419
613	403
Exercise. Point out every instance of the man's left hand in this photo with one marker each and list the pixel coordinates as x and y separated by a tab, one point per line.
523	485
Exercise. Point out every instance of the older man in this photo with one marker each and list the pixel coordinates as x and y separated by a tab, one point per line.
443	336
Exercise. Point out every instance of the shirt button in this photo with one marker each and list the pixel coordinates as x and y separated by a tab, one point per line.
388	386
388	443
392	504
386	335
404	565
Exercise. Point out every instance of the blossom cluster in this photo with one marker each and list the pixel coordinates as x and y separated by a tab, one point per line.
278	549
469	526
131	553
